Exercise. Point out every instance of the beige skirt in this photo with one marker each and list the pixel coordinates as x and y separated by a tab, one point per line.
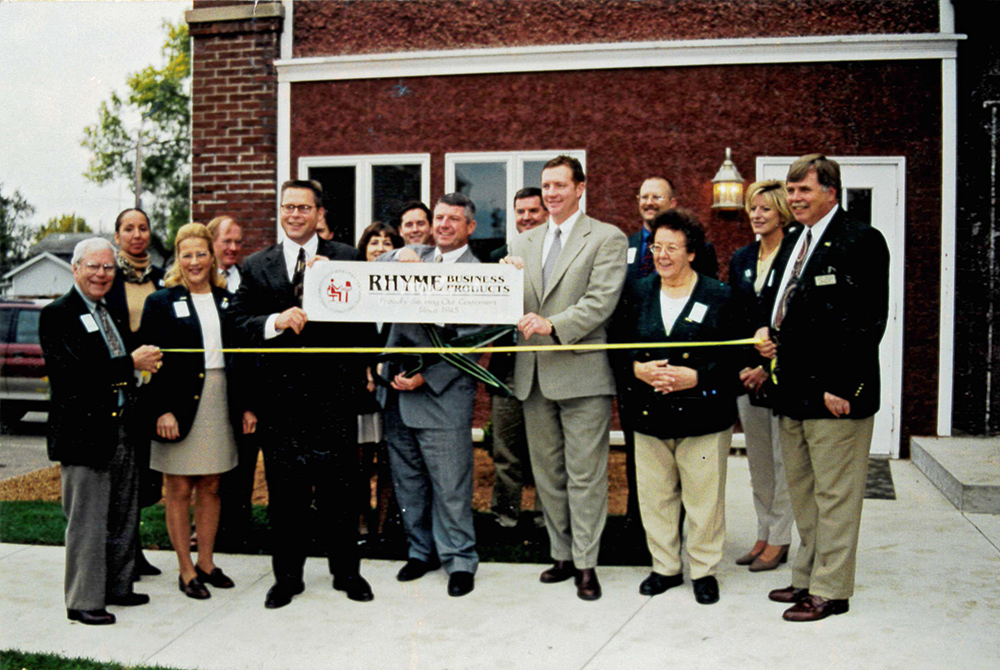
210	447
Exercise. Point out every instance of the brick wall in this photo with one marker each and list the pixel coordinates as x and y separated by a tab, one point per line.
234	133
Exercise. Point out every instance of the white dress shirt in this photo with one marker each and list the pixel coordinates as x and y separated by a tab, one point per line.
290	251
817	230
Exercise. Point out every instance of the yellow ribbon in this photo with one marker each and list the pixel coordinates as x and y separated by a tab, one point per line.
470	350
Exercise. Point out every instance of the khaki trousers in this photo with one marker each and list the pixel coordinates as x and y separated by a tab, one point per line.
771	501
691	470
826	461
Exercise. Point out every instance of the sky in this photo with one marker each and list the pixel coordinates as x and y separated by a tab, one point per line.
58	61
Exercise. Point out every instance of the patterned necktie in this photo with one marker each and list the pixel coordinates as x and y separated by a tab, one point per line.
646	265
793	281
110	333
552	258
298	278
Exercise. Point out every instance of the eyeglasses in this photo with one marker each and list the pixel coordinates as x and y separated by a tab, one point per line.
94	267
651	198
302	209
671	249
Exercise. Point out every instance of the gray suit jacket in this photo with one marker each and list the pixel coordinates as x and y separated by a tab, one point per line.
446	398
579	300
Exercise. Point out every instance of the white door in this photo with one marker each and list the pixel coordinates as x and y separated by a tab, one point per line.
874	193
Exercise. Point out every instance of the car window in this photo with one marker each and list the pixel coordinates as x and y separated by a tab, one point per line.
27	327
6	315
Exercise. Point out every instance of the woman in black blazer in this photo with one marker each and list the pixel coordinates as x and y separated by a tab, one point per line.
769	215
682	406
196	402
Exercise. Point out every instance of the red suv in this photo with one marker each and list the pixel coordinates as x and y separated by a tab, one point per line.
24	387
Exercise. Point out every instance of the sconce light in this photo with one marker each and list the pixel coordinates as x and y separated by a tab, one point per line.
727	187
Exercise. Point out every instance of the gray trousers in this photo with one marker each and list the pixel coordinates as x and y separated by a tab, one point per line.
569	441
771	501
102	512
510	456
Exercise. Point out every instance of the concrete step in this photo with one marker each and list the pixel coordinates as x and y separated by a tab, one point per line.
965	469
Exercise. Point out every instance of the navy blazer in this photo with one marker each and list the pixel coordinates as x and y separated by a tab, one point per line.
84	413
710	406
178	386
833	323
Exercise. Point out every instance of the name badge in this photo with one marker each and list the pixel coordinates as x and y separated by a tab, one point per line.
181	309
88	322
631	254
826	280
698	311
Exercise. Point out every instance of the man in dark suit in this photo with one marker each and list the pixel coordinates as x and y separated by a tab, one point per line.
826	301
308	403
574	273
428	420
92	377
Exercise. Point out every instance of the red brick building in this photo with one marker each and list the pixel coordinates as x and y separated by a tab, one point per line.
386	100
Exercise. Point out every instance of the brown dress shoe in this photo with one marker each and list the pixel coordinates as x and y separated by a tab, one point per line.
587	586
789	594
560	572
814	608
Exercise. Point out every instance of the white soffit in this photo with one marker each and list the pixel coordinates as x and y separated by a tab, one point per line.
680	53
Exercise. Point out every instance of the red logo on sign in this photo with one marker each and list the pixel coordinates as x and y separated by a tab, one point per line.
338	293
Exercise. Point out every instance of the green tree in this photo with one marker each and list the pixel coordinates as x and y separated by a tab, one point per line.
67	223
157	100
15	235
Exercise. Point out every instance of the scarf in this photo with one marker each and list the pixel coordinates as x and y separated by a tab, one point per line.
134	269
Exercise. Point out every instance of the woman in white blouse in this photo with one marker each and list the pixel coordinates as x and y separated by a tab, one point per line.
195	401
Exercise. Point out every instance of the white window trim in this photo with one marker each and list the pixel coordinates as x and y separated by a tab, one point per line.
363	183
514	160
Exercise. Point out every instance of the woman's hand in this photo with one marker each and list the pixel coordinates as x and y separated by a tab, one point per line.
371	380
166	427
401	383
753	378
665	378
249	422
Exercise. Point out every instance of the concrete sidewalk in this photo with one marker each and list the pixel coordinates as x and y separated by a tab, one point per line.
928	596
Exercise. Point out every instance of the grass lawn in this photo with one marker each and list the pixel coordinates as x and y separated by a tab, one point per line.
11	659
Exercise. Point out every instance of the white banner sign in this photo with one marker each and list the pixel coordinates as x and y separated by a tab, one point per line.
414	292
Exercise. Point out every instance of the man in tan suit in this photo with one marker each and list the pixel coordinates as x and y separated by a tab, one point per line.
574	272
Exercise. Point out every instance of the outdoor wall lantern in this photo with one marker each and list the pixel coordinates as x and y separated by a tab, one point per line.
727	187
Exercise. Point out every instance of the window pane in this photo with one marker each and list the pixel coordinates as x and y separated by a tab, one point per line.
392	187
339	185
533	174
859	204
486	184
27	326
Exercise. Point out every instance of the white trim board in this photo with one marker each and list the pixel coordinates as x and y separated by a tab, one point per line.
673	53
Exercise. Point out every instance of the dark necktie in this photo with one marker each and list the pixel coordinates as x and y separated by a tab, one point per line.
646	265
551	259
109	331
793	281
298	277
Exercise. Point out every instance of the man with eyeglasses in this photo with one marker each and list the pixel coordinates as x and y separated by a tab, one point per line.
92	378
309	402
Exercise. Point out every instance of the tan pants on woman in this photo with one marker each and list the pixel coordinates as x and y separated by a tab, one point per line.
692	471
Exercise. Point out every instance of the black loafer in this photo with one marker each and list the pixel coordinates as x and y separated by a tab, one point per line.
656	583
706	590
144	567
216	578
129	599
282	593
415	569
461	583
355	586
100	617
193	589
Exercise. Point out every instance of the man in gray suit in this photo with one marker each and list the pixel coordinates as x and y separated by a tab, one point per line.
428	420
574	272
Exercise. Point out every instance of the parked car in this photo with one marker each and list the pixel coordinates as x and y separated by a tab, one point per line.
24	387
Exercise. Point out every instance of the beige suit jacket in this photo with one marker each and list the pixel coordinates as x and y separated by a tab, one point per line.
579	300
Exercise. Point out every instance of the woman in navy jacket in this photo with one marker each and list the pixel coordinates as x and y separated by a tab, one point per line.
682	406
196	402
767	207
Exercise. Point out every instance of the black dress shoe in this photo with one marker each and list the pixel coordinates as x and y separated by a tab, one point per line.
560	572
789	594
216	578
100	617
128	599
355	586
193	589
814	608
461	583
144	567
587	586
706	590
282	593
415	569
656	583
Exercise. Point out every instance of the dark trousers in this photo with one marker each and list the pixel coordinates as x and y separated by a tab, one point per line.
236	491
307	465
